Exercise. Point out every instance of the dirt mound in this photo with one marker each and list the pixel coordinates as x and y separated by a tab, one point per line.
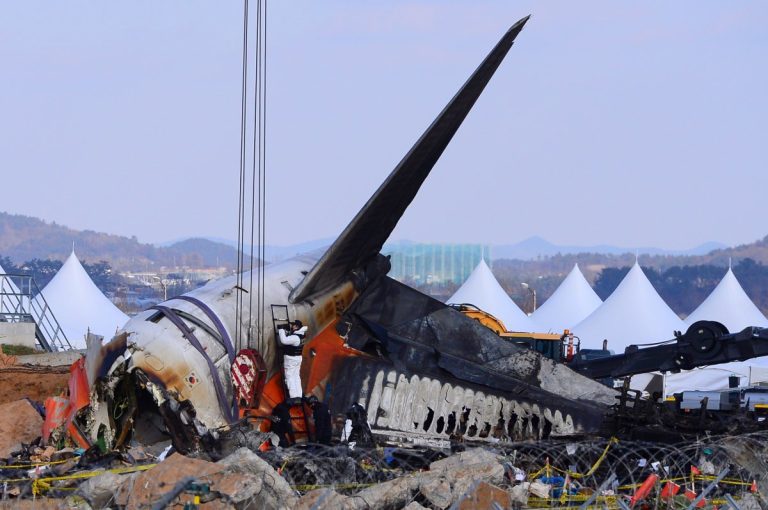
36	383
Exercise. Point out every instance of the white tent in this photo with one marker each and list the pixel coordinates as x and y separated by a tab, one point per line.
729	305
633	314
79	305
483	290
573	301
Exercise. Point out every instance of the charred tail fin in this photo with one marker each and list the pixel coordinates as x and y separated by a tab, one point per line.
366	233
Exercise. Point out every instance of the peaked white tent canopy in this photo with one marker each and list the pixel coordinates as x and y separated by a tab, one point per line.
483	290
633	314
573	301
729	305
79	305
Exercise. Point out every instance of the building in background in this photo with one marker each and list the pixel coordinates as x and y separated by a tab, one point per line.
425	264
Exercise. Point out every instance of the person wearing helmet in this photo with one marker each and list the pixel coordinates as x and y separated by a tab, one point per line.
292	350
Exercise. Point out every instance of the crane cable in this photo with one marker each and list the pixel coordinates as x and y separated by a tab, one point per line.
258	186
255	183
241	192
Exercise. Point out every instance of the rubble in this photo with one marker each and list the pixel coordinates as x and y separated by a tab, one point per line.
267	488
437	491
249	472
476	478
327	499
106	489
483	496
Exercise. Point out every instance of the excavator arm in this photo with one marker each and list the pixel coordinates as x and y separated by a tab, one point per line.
704	343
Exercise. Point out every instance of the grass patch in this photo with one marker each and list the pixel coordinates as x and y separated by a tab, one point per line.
17	350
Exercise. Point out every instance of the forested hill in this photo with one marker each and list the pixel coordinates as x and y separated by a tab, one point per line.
24	238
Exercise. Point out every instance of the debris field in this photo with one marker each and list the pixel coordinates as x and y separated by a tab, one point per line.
602	473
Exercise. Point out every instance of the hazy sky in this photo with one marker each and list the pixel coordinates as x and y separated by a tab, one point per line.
634	124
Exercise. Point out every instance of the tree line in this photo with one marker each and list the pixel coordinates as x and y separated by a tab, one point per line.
43	270
684	288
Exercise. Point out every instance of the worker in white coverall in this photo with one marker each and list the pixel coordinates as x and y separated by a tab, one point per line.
292	357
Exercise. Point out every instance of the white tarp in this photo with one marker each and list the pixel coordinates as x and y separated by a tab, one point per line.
573	301
729	305
633	314
79	305
715	377
483	290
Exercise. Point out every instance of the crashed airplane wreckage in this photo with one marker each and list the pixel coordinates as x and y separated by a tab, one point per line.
418	367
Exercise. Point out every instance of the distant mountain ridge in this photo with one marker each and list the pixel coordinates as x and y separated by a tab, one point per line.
272	253
533	247
23	238
527	249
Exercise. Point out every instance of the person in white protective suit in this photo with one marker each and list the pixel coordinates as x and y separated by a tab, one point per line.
291	343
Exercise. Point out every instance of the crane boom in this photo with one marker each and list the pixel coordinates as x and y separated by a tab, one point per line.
704	343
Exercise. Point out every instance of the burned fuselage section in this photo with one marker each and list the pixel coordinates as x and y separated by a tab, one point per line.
418	367
434	372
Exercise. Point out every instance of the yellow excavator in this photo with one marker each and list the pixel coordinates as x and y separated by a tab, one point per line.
558	347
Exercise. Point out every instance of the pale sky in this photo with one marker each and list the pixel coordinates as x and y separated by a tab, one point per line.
634	124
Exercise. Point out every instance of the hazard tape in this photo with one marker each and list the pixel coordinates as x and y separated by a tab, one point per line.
572	474
39	485
41	464
44	483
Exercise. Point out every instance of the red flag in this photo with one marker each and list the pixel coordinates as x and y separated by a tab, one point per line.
695	470
669	490
644	489
692	495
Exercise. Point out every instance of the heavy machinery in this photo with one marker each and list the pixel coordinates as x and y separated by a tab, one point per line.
557	347
735	410
704	343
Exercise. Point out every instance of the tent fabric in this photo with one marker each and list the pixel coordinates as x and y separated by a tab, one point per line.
572	302
483	290
729	305
633	314
79	305
715	377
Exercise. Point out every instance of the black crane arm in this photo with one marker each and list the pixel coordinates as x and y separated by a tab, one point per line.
704	343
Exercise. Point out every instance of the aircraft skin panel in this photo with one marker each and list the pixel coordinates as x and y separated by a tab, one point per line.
161	351
365	235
